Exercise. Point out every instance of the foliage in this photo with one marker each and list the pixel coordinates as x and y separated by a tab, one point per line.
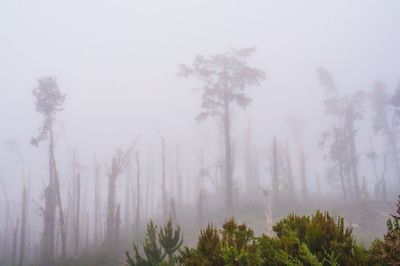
234	244
316	240
391	244
155	249
225	77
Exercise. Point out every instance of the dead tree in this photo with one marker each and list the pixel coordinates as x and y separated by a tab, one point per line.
49	101
304	189
163	185
118	165
77	214
14	243
23	227
97	203
178	176
128	194
138	173
225	77
117	224
275	171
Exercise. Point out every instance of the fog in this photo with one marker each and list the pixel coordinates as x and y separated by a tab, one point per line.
118	63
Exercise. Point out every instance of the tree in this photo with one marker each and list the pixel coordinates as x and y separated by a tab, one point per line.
49	101
118	164
275	171
170	239
152	249
385	122
340	139
225	78
392	238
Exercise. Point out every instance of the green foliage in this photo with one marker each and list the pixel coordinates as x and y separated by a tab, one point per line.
320	233
234	244
391	244
170	239
154	254
316	240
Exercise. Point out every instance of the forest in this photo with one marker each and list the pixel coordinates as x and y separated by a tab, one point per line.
199	134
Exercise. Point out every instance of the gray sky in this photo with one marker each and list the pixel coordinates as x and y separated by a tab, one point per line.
117	61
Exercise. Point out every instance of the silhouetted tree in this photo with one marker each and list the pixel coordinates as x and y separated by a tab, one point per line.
225	77
49	101
342	146
385	122
118	165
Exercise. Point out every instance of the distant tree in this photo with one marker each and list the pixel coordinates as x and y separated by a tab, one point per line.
49	101
385	121
118	164
224	77
275	171
341	138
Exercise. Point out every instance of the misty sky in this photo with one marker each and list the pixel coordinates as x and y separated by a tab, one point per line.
118	63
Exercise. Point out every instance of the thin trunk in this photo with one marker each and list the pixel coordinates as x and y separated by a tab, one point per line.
110	223
117	224
87	231
14	244
268	215
304	189
138	173
179	176
23	227
128	192
97	205
354	159
289	172
48	256
228	156
163	188
77	214
60	211
275	172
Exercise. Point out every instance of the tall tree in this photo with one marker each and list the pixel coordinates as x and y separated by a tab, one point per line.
118	164
138	173
385	122
225	78
49	101
346	109
22	243
275	171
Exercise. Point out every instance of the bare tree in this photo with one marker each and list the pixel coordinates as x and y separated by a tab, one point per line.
224	77
49	101
118	165
23	227
138	173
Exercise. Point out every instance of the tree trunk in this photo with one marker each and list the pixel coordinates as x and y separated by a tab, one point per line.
60	210
228	157
14	243
304	189
77	214
97	204
179	176
163	188
110	223
275	172
48	258
23	227
137	221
